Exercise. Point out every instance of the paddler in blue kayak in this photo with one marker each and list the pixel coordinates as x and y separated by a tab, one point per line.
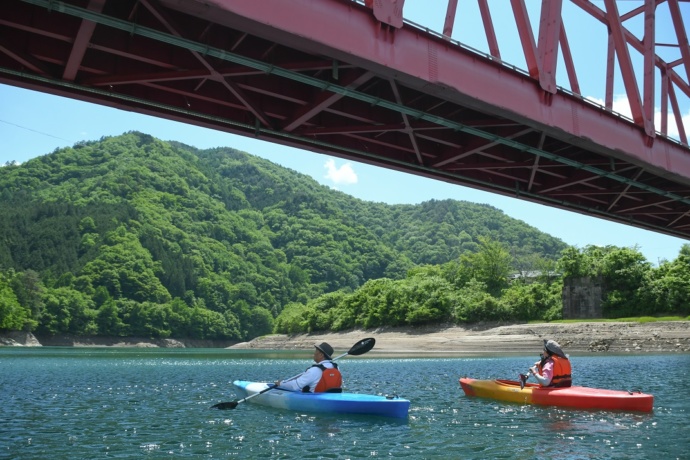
323	376
553	370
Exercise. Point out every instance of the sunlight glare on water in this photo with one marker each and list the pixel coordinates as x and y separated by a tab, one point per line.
63	403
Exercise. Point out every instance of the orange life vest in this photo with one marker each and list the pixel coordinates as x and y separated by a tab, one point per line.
331	379
561	372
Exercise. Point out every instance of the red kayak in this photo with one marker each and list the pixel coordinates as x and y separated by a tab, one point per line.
575	397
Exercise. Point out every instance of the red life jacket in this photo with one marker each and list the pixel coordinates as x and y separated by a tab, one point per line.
331	379
561	372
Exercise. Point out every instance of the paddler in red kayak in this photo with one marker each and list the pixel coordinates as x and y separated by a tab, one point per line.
323	376
553	370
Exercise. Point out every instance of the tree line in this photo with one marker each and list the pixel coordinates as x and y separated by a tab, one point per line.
474	288
477	287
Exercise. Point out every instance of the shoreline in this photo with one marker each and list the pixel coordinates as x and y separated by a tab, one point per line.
478	339
584	337
27	339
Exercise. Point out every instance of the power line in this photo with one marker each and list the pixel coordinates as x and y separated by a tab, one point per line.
35	131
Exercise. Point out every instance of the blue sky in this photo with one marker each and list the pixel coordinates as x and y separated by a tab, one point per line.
33	124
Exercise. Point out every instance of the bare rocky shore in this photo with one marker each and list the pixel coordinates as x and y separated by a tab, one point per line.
583	337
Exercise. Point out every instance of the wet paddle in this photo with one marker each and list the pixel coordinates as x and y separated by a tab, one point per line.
357	349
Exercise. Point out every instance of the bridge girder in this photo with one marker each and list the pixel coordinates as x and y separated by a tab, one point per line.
331	77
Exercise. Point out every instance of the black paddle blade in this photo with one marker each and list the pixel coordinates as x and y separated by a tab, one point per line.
362	347
523	380
225	405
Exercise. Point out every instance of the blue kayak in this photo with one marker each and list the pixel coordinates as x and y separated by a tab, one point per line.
335	403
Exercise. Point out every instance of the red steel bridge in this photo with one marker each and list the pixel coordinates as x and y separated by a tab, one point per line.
353	79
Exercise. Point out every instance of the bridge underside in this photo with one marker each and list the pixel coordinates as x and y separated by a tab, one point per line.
353	87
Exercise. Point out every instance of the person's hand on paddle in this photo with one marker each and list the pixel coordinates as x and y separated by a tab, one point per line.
277	383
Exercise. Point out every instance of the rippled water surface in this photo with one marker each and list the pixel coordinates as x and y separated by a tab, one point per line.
72	403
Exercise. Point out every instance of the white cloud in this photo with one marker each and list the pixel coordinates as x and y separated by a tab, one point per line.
342	175
672	128
621	105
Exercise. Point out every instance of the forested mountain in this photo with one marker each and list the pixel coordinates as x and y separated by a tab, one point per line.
131	235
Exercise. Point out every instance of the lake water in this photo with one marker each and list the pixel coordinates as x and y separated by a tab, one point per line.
91	403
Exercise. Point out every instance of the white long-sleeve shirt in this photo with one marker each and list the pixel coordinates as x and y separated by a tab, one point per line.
309	378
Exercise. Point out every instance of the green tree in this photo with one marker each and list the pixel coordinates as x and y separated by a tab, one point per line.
575	263
147	319
28	288
667	289
491	266
109	321
126	268
13	316
430	300
625	271
526	302
207	324
292	319
68	311
476	304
